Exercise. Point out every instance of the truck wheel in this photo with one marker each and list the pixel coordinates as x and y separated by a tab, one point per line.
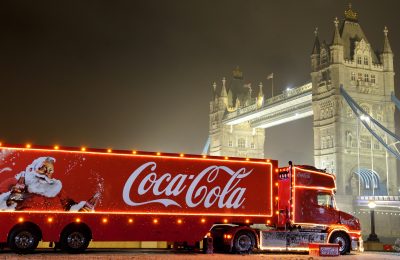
243	242
23	240
74	240
342	240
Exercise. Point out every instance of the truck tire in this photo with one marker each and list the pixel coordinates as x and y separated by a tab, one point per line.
243	242
74	240
343	241
23	240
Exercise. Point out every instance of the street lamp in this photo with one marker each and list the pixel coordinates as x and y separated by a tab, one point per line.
372	237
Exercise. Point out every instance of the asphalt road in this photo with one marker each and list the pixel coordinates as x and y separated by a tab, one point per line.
100	254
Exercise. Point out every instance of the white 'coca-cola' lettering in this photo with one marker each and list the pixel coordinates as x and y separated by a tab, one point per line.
229	196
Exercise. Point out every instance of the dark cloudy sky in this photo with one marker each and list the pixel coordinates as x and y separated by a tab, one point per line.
138	74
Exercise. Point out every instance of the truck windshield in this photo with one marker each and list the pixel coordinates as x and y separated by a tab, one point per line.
325	200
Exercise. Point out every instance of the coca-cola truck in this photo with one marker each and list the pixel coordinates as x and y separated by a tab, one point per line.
68	197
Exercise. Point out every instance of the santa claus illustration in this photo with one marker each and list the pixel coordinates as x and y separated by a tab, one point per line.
36	189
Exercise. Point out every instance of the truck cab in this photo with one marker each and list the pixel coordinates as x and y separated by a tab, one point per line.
306	201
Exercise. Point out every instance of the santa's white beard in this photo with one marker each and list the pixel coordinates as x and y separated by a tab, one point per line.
42	185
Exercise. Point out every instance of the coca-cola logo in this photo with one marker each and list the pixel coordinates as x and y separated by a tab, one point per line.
165	187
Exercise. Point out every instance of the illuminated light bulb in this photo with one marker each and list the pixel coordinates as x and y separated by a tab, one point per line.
247	159
247	221
203	220
109	151
134	152
56	147
78	220
28	146
130	220
226	157
1	144
158	153
155	221
204	156
225	220
104	220
276	170
179	221
83	149
268	221
208	234
181	155
277	212
268	160
277	198
50	220
276	184
20	219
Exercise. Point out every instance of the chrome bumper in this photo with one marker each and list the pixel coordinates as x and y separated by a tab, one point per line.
357	244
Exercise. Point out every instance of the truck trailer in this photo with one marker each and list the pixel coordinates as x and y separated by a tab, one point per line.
71	196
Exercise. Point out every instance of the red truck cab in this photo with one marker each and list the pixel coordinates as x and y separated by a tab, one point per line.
306	200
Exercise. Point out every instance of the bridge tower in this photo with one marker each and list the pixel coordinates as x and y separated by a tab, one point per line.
350	60
239	140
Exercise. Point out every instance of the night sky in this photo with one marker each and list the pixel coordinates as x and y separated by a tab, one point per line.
138	74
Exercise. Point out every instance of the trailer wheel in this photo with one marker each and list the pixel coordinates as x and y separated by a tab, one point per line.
243	242
75	239
343	241
23	239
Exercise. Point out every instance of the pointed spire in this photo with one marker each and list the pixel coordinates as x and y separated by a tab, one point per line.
386	44
337	40
260	91
214	86
223	90
316	48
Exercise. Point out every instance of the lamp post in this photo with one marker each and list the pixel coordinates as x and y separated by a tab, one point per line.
372	237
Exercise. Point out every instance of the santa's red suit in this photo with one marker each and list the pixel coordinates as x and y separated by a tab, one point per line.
41	192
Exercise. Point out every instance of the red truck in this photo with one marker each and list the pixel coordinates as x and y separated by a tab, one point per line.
69	196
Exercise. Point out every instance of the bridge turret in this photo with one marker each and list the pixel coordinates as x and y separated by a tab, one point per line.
387	54
337	45
315	55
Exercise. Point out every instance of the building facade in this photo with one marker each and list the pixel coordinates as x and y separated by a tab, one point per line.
364	167
235	140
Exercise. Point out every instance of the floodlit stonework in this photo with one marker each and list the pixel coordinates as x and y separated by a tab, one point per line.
342	145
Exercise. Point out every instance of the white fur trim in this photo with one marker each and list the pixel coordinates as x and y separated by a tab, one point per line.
42	185
3	202
78	206
37	163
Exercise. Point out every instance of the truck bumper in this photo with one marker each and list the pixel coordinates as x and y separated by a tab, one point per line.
357	244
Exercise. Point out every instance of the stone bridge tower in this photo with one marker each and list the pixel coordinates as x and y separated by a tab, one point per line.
239	140
350	60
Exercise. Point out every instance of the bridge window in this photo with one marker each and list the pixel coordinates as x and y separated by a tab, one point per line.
353	76
366	77
252	146
365	142
242	143
365	60
376	146
230	143
373	79
359	76
359	60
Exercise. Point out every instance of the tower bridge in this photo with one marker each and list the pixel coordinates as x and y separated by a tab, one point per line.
343	144
289	106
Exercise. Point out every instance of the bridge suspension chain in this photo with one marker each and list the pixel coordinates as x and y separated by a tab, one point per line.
392	141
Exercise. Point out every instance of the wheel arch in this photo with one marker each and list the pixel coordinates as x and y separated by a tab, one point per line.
81	225
27	225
